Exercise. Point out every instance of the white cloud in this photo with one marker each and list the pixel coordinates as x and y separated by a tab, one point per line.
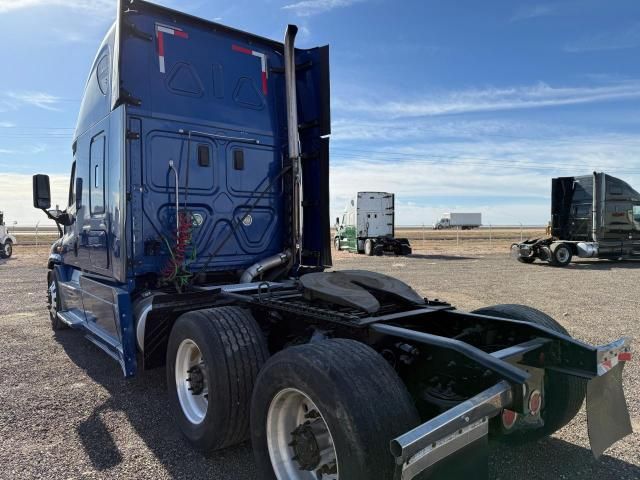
42	100
614	40
307	8
507	180
94	6
534	11
16	197
491	99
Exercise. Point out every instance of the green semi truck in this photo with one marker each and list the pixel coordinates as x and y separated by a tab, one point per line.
368	226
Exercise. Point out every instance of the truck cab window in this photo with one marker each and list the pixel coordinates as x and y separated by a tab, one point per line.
96	172
636	217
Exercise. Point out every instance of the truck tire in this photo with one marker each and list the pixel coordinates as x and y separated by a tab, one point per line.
563	394
336	243
560	255
369	247
339	390
439	227
526	259
403	247
6	250
219	350
53	302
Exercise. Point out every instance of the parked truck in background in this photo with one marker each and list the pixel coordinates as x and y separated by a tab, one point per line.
197	238
7	241
464	221
592	216
368	226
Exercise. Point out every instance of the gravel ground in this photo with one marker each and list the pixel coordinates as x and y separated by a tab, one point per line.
66	412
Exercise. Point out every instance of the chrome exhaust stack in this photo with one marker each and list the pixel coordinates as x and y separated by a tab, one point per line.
294	140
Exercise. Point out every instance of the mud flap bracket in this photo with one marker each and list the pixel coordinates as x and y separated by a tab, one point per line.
462	430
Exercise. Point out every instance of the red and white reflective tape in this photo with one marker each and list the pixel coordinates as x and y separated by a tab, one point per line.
609	362
263	63
161	30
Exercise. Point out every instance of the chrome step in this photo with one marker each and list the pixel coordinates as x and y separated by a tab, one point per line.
70	318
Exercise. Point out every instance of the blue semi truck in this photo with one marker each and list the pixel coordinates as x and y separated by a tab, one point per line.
197	239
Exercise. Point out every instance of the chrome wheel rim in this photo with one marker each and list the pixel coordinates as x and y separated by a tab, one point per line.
562	254
8	249
191	381
300	443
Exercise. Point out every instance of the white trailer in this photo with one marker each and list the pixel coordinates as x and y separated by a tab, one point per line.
464	221
368	225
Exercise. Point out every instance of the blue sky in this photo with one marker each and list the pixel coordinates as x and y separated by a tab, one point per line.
460	105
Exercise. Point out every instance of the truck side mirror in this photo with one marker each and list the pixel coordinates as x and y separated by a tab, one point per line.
337	220
41	192
78	194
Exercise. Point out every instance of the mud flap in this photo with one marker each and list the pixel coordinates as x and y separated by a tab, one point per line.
607	414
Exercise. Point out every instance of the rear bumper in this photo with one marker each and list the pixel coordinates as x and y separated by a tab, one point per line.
466	425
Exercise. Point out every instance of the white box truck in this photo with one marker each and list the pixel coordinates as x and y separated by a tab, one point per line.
464	221
368	226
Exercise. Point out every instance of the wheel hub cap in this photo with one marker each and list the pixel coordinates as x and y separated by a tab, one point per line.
196	380
305	447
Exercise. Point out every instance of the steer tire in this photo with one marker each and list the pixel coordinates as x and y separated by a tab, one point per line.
6	250
563	394
53	302
561	255
336	243
369	247
233	350
358	395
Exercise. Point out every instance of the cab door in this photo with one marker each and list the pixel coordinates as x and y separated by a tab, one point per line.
97	227
93	253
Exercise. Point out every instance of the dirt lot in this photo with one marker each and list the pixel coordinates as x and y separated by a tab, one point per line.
66	412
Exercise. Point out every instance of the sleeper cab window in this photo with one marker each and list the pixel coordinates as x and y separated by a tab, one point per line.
102	74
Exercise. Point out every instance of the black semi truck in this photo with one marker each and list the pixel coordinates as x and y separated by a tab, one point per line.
592	216
197	239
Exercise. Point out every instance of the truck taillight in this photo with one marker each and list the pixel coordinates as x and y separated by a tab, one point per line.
509	418
535	402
